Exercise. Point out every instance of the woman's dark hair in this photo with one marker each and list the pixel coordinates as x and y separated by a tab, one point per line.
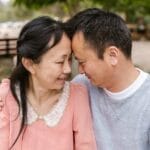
32	44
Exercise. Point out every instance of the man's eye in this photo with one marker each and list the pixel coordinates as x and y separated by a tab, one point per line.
70	59
81	62
60	62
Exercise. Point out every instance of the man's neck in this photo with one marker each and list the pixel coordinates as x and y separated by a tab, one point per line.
123	78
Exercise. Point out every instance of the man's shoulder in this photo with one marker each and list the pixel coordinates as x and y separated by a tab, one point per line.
82	79
147	80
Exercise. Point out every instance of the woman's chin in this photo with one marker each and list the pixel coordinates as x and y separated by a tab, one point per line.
61	83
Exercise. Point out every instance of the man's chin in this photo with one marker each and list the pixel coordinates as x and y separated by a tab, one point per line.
91	80
94	83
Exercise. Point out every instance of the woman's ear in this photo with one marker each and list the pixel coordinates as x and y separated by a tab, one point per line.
112	55
28	64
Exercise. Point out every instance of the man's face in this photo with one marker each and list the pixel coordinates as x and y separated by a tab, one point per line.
97	70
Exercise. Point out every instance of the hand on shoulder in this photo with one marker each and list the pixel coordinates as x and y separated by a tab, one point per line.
1	104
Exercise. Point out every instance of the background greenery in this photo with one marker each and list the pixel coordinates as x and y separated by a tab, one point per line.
24	9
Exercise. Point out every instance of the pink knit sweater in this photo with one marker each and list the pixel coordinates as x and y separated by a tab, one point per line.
72	131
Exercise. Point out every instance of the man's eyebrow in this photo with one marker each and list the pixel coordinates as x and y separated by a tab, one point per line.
78	59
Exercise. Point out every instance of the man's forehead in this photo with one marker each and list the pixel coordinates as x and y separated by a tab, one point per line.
79	41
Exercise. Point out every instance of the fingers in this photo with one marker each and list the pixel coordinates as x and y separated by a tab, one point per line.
1	104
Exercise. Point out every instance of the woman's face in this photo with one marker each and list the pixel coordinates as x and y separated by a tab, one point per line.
54	67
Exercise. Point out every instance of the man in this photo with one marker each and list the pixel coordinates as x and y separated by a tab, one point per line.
119	92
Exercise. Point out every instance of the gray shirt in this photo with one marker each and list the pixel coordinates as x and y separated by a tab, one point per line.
120	124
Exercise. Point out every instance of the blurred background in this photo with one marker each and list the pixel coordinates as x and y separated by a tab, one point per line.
15	13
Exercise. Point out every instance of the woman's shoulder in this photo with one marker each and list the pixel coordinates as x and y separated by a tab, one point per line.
77	87
79	93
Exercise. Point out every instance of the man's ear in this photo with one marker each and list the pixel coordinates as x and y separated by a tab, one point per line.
28	64
112	53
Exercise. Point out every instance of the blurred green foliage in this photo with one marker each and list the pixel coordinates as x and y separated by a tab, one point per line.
131	9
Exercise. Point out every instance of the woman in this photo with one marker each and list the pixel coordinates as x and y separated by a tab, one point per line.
40	109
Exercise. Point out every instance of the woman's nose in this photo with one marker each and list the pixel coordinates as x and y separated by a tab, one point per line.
67	68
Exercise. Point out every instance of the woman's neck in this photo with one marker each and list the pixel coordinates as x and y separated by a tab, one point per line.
41	99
